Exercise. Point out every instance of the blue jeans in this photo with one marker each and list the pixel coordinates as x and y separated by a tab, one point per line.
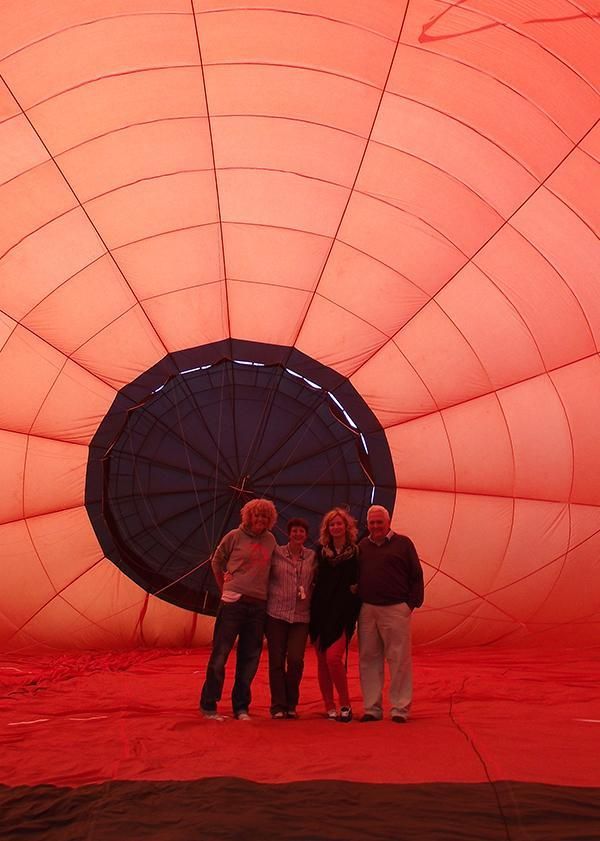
243	620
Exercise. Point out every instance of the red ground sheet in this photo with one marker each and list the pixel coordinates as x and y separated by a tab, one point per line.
479	715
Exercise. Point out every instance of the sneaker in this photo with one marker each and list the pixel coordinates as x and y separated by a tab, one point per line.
368	717
291	714
345	714
399	719
331	715
212	715
243	716
279	714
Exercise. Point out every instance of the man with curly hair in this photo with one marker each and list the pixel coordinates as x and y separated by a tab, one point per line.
241	565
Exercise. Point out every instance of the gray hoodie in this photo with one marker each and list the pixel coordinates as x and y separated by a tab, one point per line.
247	559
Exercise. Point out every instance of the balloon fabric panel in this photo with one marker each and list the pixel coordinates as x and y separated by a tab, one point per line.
375	227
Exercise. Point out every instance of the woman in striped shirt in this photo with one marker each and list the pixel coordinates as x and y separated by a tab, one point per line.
288	616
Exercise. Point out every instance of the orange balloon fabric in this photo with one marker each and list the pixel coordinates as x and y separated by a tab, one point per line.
403	190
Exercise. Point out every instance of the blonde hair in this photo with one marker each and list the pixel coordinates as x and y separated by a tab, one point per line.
264	505
350	522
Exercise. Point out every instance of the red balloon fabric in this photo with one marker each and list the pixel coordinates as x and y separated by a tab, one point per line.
328	252
403	192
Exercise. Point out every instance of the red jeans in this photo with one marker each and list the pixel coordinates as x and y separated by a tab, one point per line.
332	672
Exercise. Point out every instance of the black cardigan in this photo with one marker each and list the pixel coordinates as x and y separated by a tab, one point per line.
334	607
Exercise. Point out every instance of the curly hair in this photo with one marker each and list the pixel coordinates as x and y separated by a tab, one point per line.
351	527
264	505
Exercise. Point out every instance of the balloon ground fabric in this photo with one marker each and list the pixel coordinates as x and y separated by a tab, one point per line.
500	745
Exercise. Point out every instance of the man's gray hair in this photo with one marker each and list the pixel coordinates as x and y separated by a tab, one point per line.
378	509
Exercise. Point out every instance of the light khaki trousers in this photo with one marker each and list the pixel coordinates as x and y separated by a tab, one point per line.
384	634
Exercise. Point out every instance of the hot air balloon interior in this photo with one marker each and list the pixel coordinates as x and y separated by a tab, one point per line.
328	253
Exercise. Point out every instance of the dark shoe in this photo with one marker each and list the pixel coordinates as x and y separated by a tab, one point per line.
368	717
345	714
399	719
331	714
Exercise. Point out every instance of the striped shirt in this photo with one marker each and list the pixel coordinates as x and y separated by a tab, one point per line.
288	582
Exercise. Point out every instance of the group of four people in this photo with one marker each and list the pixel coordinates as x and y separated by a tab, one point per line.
288	593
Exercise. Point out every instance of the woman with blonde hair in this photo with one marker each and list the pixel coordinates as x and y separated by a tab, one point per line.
241	565
335	608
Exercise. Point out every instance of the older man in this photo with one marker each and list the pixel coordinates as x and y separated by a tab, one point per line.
390	585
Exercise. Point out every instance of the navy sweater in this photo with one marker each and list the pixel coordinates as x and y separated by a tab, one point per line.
390	573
